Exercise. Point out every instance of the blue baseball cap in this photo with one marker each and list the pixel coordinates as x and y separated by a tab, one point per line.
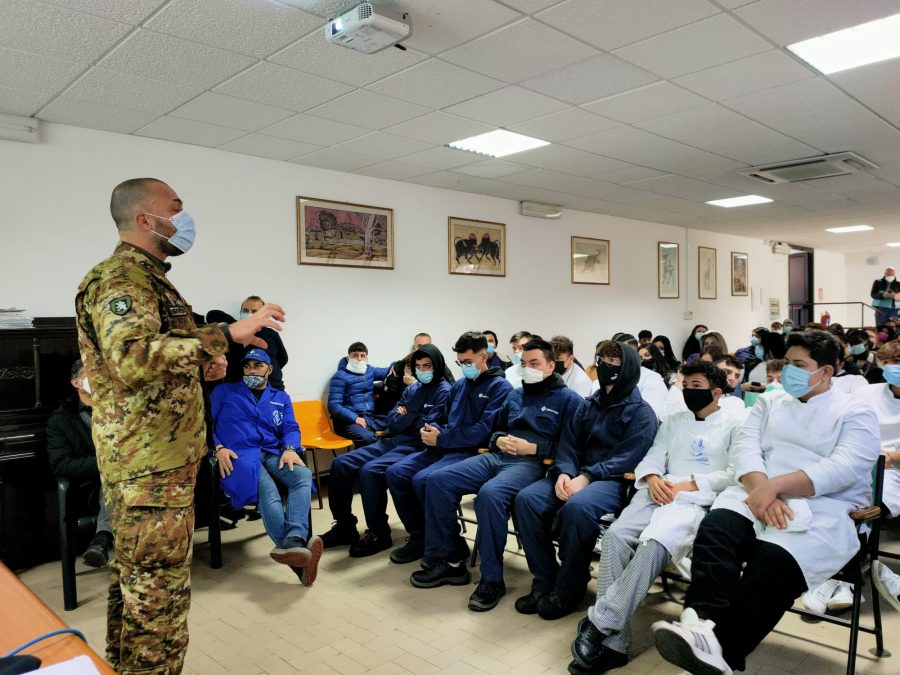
257	355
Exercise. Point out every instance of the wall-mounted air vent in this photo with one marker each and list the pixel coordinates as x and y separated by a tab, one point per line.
823	166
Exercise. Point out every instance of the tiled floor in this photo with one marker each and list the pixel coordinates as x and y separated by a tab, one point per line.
252	616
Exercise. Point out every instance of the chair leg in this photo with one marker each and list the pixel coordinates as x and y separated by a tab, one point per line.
854	619
316	476
67	537
880	651
215	524
461	515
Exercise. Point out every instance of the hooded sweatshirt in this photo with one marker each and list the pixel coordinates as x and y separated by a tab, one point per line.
537	412
611	432
424	403
471	410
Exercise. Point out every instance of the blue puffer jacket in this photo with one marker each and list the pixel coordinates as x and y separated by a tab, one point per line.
351	395
471	409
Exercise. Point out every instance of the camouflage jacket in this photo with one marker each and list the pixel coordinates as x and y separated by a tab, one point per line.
142	354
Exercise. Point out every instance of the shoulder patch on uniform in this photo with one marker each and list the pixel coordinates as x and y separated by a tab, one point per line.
121	305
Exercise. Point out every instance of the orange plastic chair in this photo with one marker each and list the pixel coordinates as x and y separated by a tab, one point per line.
316	434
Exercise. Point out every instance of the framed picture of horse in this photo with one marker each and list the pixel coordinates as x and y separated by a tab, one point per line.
590	261
344	235
476	247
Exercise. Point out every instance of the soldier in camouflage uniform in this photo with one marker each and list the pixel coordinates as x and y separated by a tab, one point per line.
144	358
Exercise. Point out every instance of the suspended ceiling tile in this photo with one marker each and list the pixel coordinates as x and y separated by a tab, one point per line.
750	143
392	170
604	142
336	160
441	158
436	84
315	130
696	120
131	12
368	109
564	125
506	106
745	76
439	25
139	93
226	111
33	72
261	145
383	146
282	87
189	131
589	80
440	128
21	102
654	100
65	110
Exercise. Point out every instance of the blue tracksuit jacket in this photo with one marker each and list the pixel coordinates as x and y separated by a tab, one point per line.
471	409
423	403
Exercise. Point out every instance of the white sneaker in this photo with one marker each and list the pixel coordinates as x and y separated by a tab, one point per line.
842	598
886	583
816	600
690	644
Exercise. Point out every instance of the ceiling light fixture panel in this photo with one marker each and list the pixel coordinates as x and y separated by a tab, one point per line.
847	229
860	45
746	200
498	143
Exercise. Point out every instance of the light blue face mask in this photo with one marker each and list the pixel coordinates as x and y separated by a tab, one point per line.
254	381
424	376
470	371
892	375
788	329
774	386
244	315
490	349
754	341
759	351
699	336
185	231
517	358
796	380
856	350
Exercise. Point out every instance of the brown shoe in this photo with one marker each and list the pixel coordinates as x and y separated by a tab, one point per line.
311	569
292	551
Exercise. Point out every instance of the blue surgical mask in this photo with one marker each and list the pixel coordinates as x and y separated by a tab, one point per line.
754	341
470	371
892	375
788	329
244	315
856	350
517	358
490	349
424	376
759	351
795	380
699	336
185	231
774	386
254	381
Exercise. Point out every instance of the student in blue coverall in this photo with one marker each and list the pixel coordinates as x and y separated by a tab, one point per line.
258	450
351	396
608	436
529	425
421	403
471	407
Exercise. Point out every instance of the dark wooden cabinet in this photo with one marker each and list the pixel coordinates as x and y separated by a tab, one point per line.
35	366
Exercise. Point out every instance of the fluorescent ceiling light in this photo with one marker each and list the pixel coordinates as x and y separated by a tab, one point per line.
747	200
893	244
852	47
849	228
498	143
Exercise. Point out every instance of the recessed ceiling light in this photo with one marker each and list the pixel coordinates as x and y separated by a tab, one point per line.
747	200
498	143
893	244
849	228
852	47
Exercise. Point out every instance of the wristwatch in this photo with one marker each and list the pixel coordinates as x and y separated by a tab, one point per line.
289	448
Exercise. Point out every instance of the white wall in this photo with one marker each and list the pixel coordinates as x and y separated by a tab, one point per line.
830	285
56	225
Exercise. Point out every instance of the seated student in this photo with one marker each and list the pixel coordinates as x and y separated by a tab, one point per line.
787	326
517	343
777	327
495	359
847	378
469	411
653	359
652	387
420	404
734	372
566	367
402	374
755	351
860	351
686	467
713	338
804	461
771	346
645	337
694	343
528	428
711	354
351	400
71	452
258	450
606	438
663	344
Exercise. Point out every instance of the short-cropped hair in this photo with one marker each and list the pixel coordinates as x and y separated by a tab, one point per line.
543	345
609	349
775	365
889	350
470	340
562	344
716	376
357	347
823	347
519	335
77	367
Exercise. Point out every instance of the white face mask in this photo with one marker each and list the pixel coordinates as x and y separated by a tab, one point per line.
889	279
356	366
532	375
86	386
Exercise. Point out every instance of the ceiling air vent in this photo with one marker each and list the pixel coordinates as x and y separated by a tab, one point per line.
823	166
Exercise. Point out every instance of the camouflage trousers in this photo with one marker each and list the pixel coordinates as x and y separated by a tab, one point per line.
150	590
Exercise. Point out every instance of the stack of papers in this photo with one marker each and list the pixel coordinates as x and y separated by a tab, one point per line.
14	318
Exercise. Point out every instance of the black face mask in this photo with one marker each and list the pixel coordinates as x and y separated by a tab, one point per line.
607	374
697	399
560	368
647	364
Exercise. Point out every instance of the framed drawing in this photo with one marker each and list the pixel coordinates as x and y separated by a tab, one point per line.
590	261
476	247
344	235
706	273
740	273
668	270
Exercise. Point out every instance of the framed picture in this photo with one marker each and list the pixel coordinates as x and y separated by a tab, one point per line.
344	235
669	271
706	273
590	261
476	247
740	273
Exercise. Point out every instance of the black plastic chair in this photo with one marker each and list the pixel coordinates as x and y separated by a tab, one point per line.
72	521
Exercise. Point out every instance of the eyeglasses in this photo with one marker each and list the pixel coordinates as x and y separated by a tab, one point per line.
461	364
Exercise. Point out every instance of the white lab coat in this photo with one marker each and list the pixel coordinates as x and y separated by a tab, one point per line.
578	381
880	398
688	449
834	440
514	375
653	390
847	384
674	403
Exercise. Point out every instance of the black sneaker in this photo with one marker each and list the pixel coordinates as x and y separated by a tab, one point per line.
340	534
440	574
370	544
411	551
486	596
292	551
97	553
528	604
588	651
552	607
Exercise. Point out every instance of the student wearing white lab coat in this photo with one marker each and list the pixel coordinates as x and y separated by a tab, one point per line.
572	374
677	481
804	460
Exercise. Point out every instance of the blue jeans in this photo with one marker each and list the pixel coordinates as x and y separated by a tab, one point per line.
537	510
407	479
497	478
282	521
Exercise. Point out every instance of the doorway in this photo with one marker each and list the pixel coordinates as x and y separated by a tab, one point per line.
800	285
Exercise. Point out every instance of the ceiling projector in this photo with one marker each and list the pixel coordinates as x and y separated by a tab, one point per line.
367	29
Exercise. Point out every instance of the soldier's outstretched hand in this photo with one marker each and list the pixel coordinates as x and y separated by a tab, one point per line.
244	331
